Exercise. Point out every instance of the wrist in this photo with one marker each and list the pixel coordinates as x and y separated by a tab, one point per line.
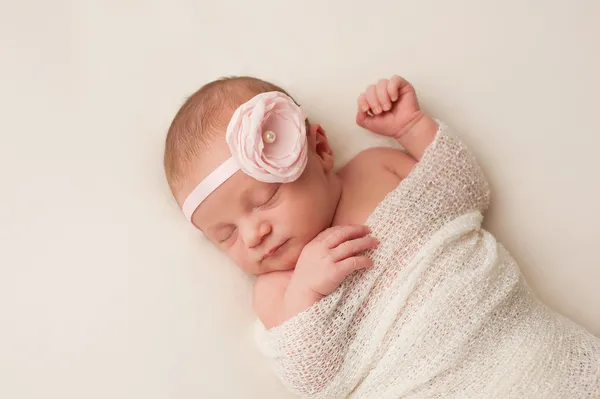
297	299
420	124
418	136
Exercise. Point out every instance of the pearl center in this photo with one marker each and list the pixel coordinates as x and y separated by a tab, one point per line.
269	137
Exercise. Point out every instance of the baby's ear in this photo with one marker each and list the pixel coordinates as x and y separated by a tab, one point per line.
317	140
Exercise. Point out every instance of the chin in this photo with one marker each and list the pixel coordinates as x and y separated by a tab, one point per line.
287	261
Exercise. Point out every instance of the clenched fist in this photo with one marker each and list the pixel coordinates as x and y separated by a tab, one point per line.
389	108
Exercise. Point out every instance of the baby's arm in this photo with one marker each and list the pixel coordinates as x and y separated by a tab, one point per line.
447	180
391	108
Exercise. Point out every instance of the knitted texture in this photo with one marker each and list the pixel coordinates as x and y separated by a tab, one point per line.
442	313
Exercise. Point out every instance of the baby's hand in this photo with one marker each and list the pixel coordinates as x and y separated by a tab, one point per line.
324	263
389	108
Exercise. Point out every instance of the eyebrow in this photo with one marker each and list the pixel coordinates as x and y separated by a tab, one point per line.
247	193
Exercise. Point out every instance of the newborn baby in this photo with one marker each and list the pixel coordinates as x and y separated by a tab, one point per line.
304	234
376	281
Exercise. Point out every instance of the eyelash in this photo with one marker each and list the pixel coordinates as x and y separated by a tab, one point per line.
228	237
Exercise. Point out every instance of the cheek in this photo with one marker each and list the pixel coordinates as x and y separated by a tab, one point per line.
239	257
308	208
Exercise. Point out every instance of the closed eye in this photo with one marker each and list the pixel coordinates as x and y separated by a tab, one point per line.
225	236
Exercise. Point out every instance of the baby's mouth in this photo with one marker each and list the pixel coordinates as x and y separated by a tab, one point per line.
274	250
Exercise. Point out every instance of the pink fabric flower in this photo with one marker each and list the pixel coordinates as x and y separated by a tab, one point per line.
281	161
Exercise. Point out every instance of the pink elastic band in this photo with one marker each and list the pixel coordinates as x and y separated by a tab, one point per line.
208	185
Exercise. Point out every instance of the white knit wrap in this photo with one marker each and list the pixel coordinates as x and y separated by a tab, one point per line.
442	314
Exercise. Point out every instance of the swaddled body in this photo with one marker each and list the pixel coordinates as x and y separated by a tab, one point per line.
443	312
427	305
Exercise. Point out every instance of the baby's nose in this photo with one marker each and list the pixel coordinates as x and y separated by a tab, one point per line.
256	233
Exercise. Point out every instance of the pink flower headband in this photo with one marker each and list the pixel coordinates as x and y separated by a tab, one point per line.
267	139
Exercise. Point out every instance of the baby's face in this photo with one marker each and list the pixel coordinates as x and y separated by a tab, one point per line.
263	226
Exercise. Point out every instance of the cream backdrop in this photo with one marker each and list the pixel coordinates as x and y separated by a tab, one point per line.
106	292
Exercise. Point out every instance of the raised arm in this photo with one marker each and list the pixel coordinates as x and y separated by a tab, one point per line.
446	181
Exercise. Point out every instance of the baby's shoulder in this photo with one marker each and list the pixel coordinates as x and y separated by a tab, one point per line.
269	290
377	159
368	178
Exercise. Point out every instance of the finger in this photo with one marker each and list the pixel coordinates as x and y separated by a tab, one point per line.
352	264
398	85
353	247
363	105
338	235
364	120
382	94
325	234
363	108
371	96
393	87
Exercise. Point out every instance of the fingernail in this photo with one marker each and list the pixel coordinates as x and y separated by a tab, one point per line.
377	110
365	108
386	107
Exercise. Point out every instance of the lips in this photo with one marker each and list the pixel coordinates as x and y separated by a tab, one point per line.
273	250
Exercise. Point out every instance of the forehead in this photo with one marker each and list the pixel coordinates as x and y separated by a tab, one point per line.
201	166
